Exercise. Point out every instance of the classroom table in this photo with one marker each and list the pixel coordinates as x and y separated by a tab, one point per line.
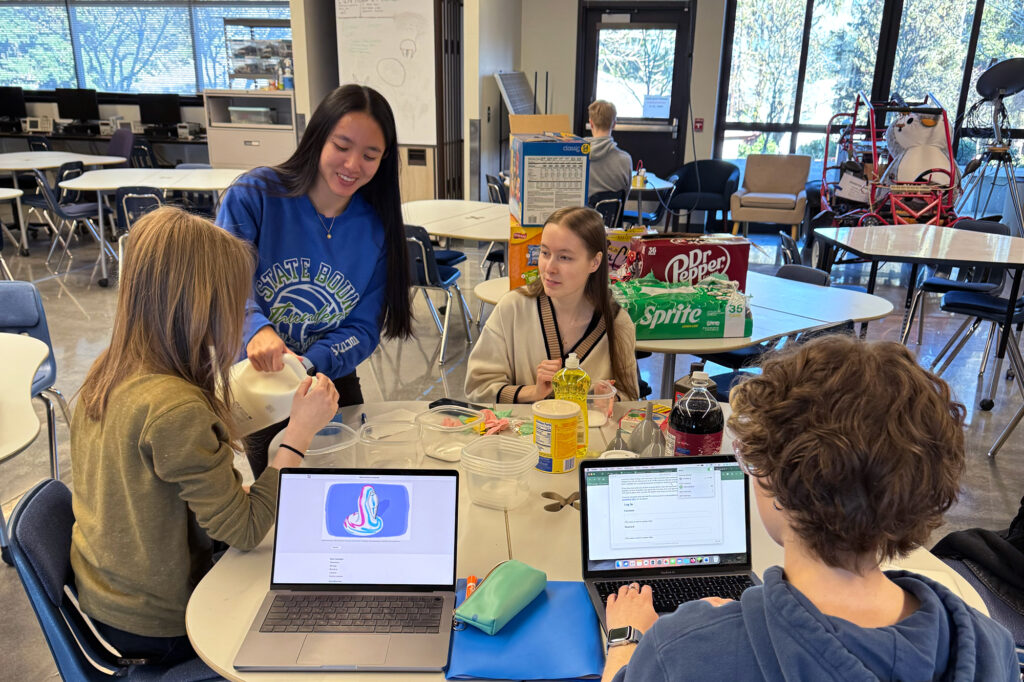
226	600
19	424
16	162
168	179
652	185
932	245
8	194
459	219
779	307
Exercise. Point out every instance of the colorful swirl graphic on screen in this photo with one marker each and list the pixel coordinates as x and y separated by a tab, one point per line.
364	521
358	510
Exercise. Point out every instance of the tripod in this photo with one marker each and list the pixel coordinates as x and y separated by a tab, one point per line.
996	160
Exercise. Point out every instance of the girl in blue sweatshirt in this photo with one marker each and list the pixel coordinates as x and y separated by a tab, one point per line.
332	272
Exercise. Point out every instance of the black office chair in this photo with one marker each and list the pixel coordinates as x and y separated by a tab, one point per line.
704	185
40	546
425	273
610	205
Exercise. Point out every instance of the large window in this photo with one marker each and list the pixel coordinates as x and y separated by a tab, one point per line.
793	64
116	46
634	69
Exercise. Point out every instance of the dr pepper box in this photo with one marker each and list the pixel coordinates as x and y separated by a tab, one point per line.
548	172
687	258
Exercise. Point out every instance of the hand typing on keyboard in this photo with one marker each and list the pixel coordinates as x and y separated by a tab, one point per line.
632	605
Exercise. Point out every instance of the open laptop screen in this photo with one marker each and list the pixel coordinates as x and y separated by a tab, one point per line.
365	528
670	515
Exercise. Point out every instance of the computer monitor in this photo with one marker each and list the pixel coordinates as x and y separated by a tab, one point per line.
160	110
12	103
78	104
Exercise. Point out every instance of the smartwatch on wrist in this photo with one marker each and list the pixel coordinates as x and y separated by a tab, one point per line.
623	636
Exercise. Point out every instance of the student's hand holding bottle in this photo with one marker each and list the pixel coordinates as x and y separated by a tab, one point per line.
265	350
314	404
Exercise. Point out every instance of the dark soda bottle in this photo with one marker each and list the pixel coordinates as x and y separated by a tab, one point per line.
696	422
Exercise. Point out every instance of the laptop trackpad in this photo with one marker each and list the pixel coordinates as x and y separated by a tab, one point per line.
349	649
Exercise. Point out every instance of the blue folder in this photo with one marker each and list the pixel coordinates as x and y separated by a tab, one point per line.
556	637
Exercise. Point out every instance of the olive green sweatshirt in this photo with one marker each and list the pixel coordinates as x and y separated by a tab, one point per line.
153	483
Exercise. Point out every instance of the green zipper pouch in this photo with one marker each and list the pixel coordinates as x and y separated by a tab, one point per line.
504	592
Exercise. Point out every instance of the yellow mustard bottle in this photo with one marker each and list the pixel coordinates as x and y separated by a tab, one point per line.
573	383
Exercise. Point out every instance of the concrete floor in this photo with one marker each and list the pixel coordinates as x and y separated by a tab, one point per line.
80	316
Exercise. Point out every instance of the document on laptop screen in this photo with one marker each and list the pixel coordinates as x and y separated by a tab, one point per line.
372	529
666	511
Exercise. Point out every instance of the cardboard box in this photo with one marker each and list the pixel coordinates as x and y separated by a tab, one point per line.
688	258
548	172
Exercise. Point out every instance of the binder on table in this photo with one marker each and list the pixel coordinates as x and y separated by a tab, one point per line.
556	637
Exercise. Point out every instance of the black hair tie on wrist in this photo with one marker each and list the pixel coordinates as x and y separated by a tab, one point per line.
295	450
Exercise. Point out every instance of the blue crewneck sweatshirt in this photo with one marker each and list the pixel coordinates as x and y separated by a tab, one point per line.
322	296
775	633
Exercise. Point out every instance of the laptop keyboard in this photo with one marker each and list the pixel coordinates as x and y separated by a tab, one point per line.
353	613
671	592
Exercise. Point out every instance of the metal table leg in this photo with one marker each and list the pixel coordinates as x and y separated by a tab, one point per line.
668	374
22	218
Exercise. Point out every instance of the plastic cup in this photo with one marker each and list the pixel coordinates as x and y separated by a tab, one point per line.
496	470
600	403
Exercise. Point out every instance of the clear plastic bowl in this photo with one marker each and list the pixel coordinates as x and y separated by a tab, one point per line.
332	446
389	445
600	403
446	429
496	470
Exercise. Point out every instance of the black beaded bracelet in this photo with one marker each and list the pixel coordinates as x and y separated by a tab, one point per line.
295	450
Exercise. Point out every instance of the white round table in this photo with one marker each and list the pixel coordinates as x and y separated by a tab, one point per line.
19	424
460	219
16	162
168	179
8	194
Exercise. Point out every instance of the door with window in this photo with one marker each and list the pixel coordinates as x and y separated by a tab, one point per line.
638	59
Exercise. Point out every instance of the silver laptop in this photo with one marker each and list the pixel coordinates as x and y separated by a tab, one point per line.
363	575
681	525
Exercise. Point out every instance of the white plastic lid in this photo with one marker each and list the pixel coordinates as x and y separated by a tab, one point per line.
556	409
572	362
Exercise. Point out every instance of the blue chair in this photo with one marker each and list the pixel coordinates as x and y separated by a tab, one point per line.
497	193
130	204
38	143
704	185
36	202
41	549
425	273
70	215
21	312
983	280
610	205
142	155
121	143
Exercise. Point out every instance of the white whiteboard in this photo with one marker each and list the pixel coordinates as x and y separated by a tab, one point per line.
389	46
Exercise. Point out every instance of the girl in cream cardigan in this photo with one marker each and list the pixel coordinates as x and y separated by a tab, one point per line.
568	309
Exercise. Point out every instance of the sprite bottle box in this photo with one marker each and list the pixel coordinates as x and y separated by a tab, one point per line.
712	308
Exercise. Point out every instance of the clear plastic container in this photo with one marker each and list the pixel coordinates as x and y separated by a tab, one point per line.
600	403
332	446
259	115
389	445
446	429
618	454
496	470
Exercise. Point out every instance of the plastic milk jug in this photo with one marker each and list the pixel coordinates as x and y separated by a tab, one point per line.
259	399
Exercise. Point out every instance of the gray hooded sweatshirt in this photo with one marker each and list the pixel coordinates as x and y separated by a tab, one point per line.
610	167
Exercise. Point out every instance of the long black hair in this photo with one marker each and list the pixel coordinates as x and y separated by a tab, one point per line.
299	173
